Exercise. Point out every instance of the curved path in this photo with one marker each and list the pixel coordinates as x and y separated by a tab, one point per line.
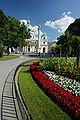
6	67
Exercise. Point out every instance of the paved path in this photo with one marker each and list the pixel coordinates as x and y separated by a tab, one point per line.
6	67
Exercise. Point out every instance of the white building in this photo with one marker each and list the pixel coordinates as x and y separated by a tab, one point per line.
38	41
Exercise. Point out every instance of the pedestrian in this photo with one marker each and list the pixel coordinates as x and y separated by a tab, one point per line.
39	54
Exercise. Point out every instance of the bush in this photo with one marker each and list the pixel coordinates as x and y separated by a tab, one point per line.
61	66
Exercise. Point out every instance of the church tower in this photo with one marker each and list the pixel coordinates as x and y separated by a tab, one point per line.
28	22
39	44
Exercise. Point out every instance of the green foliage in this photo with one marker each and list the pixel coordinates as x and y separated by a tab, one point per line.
70	40
12	32
61	66
64	42
74	28
15	33
2	25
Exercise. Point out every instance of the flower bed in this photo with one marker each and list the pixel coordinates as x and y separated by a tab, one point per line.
64	98
61	66
64	82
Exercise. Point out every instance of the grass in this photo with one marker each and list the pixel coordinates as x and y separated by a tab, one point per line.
39	105
8	57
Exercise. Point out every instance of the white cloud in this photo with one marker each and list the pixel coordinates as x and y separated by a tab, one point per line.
34	29
68	12
62	24
64	13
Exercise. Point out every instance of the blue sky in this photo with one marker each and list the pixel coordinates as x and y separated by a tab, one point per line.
53	15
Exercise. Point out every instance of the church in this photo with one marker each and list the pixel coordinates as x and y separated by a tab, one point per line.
38	43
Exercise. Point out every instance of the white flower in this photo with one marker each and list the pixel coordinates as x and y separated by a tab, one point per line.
66	83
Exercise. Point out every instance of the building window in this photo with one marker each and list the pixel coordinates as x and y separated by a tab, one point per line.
43	42
44	38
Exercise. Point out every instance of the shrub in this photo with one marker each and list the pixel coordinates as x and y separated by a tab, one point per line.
61	66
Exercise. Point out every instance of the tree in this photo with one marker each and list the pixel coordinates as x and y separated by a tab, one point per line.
15	34
64	42
74	29
12	32
2	25
23	34
58	50
76	47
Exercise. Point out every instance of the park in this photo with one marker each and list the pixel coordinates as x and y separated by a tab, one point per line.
41	83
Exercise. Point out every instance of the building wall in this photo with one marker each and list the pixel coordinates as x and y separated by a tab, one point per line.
33	46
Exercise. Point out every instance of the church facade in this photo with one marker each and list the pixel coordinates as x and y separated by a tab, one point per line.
38	43
34	46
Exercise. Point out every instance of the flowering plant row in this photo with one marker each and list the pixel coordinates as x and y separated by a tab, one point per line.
64	98
64	82
61	66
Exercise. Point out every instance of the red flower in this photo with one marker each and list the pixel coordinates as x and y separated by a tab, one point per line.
65	65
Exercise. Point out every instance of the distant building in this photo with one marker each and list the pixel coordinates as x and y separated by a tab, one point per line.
51	45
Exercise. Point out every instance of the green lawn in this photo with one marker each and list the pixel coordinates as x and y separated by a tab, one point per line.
8	57
39	105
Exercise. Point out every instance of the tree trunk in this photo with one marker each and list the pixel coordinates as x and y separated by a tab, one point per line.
60	53
8	50
66	55
1	49
77	61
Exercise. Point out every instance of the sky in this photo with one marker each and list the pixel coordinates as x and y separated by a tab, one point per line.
54	16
